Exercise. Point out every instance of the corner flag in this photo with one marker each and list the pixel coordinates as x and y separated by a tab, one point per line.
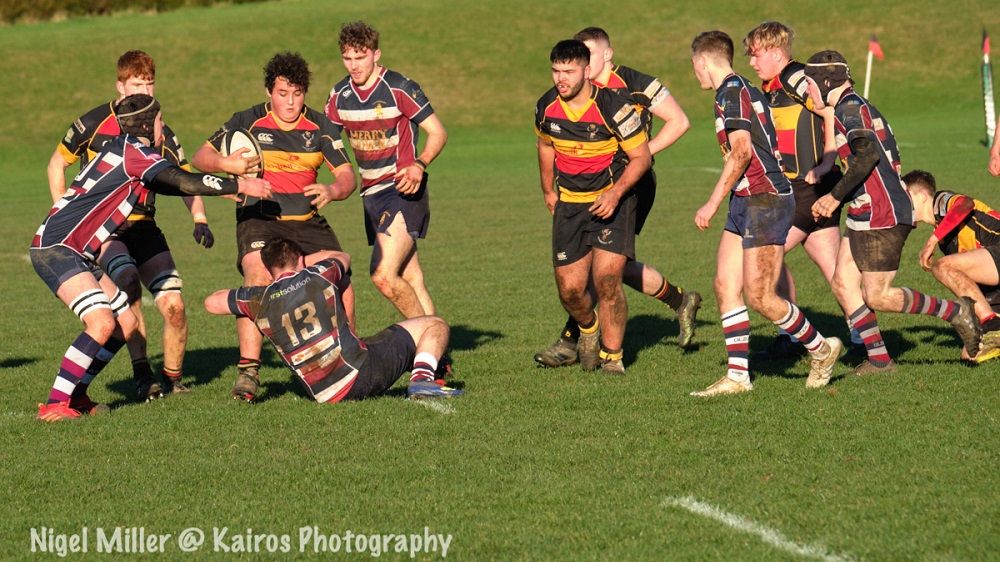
988	90
874	49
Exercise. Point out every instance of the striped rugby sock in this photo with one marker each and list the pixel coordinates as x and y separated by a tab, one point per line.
73	368
424	365
915	302
736	329
798	326
863	320
100	361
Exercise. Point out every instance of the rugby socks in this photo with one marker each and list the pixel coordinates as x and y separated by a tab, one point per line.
141	369
424	366
173	374
609	354
100	361
246	363
915	302
73	368
590	328
863	320
798	326
736	329
672	295
571	331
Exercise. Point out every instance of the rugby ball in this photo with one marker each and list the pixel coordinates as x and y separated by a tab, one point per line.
241	138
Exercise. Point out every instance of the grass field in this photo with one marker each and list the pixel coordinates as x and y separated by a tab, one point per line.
531	464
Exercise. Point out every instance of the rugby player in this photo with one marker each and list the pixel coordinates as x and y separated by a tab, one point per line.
66	245
808	153
968	233
302	313
382	113
295	141
653	97
592	149
761	211
138	254
879	215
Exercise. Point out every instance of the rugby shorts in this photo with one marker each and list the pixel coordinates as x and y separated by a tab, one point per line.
313	235
575	231
390	354
382	207
878	250
760	220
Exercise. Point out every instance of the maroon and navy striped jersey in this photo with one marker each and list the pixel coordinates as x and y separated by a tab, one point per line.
740	106
882	201
101	197
303	316
291	156
382	125
590	144
88	134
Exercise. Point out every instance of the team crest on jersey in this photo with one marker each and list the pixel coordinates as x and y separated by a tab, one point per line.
605	236
307	136
378	109
592	131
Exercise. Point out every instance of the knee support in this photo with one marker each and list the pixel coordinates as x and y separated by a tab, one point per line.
88	302
117	268
166	282
119	303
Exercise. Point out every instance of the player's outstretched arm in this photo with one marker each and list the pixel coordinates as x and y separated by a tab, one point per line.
177	182
56	171
735	166
675	124
209	160
218	302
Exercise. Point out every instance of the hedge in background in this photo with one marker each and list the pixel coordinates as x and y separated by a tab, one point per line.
14	11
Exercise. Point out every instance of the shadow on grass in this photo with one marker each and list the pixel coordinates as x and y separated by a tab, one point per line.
12	362
465	338
647	330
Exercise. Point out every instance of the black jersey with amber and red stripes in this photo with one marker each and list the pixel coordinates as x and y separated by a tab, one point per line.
587	142
101	197
303	316
964	223
799	130
644	90
292	155
382	124
88	134
740	106
882	200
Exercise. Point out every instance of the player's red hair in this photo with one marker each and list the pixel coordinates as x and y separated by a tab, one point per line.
136	64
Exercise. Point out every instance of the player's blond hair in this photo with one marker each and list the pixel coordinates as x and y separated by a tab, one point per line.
359	36
136	64
768	35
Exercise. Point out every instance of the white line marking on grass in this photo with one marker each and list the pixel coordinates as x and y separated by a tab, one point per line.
435	405
772	537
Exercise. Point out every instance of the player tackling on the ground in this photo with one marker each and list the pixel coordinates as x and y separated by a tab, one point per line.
879	215
653	97
302	313
761	209
65	247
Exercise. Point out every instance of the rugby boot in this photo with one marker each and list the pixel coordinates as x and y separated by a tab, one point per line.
781	347
147	389
247	382
173	385
687	314
867	368
967	326
559	354
990	347
725	385
85	405
588	348
821	368
57	411
613	367
423	390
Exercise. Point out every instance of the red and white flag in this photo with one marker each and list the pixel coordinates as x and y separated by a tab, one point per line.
874	48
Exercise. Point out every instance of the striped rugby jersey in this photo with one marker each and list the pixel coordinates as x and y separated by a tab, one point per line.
101	197
303	316
382	125
587	142
979	228
882	200
88	134
292	156
799	130
740	106
644	90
